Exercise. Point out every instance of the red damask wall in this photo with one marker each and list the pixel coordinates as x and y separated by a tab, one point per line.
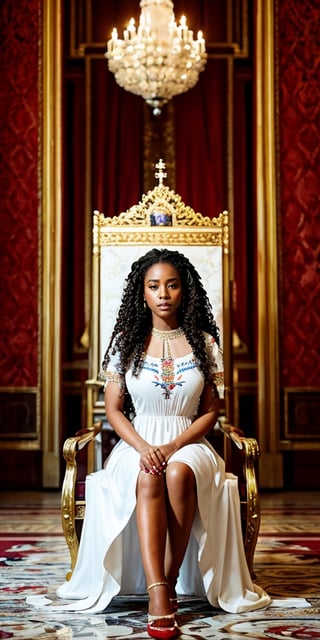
20	26
299	162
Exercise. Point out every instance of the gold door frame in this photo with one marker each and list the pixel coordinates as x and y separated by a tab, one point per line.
50	232
271	462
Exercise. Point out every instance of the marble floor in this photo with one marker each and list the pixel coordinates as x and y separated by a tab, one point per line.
34	557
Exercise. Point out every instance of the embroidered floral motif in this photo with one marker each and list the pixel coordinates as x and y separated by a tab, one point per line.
218	379
166	379
152	366
186	365
113	376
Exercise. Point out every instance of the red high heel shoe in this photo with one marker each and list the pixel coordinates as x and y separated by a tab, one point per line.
162	627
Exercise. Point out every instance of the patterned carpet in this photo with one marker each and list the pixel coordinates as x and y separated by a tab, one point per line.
34	561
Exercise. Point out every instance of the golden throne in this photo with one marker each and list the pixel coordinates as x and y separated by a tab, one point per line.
161	219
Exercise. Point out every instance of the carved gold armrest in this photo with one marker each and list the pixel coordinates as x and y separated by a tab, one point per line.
70	510
234	433
250	505
253	508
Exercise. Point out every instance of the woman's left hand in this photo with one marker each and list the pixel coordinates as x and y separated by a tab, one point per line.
157	459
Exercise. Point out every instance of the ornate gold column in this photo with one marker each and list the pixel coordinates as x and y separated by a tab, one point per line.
271	462
50	230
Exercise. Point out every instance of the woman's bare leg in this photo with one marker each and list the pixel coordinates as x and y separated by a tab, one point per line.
151	512
181	508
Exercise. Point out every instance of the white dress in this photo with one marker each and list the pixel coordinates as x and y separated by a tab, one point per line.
109	559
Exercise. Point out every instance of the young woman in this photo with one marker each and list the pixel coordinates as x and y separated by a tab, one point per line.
163	514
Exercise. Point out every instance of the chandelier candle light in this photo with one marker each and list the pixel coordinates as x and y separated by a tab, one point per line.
159	59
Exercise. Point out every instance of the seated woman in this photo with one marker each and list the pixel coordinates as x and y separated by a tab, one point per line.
163	513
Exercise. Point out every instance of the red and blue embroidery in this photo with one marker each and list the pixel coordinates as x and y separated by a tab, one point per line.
164	375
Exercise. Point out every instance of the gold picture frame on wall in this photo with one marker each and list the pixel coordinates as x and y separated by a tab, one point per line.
301	418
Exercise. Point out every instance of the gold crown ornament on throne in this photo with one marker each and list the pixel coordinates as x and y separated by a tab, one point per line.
162	207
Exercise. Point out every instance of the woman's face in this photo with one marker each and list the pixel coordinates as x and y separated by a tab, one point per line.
163	291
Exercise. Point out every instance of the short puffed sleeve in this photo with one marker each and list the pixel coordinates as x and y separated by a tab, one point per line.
111	372
215	357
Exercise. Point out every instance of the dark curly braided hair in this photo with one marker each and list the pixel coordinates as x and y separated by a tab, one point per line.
134	322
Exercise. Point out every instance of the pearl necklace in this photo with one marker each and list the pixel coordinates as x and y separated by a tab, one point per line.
167	335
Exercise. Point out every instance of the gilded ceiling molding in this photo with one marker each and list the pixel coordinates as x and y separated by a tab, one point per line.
50	215
267	264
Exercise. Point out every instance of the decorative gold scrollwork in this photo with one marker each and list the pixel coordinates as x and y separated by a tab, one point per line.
186	226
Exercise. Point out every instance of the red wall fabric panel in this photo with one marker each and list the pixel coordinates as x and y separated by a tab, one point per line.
201	141
117	143
20	27
299	129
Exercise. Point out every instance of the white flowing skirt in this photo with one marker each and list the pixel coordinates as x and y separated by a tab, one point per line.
109	560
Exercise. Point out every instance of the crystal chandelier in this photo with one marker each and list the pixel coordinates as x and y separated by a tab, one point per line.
159	59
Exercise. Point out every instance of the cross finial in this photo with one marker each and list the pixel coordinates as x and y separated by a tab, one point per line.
161	173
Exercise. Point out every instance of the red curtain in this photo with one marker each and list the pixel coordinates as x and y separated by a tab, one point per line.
201	141
117	143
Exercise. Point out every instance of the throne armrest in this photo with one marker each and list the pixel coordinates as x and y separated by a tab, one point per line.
72	506
241	455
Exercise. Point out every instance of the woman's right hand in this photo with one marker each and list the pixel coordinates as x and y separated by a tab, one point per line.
152	460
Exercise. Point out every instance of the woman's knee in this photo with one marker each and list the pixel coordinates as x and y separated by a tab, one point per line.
150	487
180	479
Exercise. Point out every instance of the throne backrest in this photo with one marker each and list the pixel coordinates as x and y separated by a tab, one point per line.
159	220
